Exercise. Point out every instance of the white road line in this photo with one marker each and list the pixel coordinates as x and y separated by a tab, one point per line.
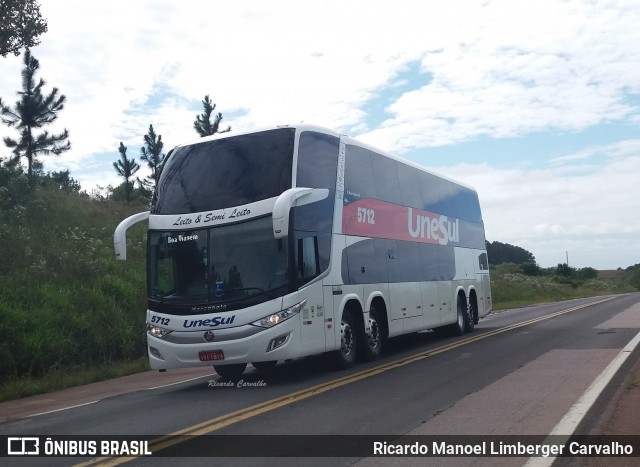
578	411
62	409
179	382
117	394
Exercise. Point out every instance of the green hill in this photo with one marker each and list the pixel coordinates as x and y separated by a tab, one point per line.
66	303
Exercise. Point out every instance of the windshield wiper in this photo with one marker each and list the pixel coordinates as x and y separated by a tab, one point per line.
266	292
178	299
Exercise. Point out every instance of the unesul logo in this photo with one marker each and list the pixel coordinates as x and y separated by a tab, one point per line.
210	322
438	228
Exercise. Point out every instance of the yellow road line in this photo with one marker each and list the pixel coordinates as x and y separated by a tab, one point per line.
217	423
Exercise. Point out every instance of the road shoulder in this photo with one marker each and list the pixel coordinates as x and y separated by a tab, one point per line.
82	395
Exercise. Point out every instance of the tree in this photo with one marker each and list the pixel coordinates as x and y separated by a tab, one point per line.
126	168
203	125
587	273
499	253
34	110
63	181
152	155
531	269
20	25
632	274
565	270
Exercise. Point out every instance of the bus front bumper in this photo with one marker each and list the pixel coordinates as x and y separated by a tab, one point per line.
242	344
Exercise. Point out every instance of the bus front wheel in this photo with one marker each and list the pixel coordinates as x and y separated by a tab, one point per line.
230	372
345	357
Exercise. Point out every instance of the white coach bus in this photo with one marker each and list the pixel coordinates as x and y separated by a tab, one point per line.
293	241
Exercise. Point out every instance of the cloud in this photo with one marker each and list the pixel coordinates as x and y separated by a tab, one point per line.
551	211
521	72
499	69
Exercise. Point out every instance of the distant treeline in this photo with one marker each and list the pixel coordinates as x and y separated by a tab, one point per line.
504	253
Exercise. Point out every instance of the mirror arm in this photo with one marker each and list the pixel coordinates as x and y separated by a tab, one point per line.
293	197
120	234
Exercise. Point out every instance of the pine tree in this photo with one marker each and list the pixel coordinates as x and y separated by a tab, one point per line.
34	110
203	124
126	168
152	154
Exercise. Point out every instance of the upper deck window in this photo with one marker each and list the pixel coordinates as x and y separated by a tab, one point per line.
225	173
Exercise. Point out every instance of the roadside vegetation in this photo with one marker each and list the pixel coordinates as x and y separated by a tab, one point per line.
67	306
511	287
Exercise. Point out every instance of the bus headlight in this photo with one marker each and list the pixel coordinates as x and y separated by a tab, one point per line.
157	331
280	316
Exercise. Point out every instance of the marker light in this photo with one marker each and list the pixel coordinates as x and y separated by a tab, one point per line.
279	317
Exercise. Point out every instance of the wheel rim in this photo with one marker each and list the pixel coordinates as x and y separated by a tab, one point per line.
373	336
347	339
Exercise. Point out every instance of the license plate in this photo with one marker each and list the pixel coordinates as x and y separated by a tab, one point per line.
211	355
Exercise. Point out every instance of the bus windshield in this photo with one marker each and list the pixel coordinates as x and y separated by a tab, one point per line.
226	172
218	265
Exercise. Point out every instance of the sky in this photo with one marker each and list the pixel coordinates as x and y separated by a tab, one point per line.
535	104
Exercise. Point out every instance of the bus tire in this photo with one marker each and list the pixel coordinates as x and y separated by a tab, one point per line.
265	366
457	328
231	372
345	356
373	339
469	320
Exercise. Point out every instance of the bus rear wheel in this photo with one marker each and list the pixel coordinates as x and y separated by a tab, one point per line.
373	337
469	319
231	372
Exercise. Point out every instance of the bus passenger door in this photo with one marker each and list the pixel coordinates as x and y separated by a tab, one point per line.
328	315
307	268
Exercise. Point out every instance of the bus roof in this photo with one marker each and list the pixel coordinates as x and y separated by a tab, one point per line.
348	140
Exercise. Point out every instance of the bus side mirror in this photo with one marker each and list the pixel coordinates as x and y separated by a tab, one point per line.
120	235
293	197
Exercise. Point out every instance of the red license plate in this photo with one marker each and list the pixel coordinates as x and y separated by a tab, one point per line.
211	355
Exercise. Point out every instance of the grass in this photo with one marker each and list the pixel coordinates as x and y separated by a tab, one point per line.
67	378
69	312
512	289
631	384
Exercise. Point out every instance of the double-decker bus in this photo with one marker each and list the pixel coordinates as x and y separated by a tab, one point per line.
293	241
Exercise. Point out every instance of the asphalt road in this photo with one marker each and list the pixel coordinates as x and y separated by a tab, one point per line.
518	373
